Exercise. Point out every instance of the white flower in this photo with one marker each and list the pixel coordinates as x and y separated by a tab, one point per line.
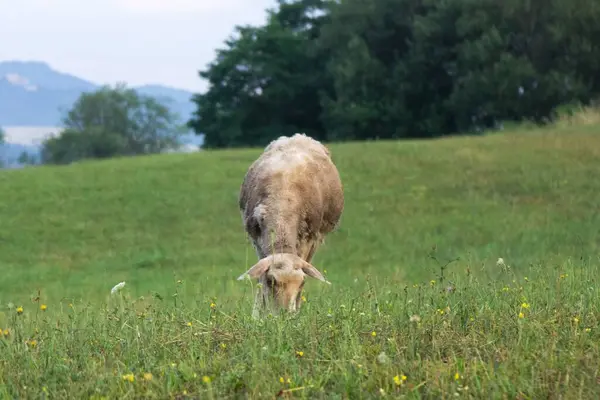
500	262
117	287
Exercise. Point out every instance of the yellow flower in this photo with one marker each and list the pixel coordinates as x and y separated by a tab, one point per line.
32	343
373	333
43	307
128	377
19	310
588	329
521	315
281	380
505	289
576	320
299	353
432	282
525	305
189	324
147	376
206	379
399	379
212	305
304	299
563	276
456	376
223	346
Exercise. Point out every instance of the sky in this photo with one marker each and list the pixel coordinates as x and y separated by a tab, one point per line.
136	41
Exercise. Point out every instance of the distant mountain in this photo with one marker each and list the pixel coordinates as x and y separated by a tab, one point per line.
10	152
34	94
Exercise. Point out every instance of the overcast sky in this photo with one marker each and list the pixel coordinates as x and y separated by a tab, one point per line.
136	41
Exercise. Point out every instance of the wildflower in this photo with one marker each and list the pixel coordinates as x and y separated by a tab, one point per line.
399	379
521	315
212	305
179	281
43	307
117	287
128	377
432	282
304	299
500	262
19	310
299	353
588	330
526	279
189	324
223	346
415	318
147	376
6	332
525	305
440	311
505	289
281	380
32	343
206	379
457	376
373	333
576	320
563	276
381	391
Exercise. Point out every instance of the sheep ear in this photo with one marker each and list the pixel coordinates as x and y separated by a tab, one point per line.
310	270
257	269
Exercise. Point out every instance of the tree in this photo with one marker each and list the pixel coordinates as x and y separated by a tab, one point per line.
112	122
267	81
26	158
368	69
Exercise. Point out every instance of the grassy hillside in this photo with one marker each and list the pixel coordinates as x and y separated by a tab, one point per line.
169	226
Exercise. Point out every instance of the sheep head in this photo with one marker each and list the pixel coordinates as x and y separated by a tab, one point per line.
282	276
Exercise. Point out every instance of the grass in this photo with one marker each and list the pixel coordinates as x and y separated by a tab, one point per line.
417	290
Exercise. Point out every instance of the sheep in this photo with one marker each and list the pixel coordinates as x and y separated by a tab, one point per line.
290	199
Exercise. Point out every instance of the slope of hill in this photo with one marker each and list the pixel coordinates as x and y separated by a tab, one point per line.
526	197
399	318
34	94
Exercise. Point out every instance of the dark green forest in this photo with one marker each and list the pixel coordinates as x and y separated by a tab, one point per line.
392	69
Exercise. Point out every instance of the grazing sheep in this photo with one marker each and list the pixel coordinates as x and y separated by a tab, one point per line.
291	197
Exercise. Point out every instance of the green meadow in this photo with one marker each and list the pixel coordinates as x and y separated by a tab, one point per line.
420	305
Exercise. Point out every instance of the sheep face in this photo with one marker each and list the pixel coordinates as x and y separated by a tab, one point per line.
282	277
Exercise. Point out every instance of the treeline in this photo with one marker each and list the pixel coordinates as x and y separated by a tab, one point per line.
367	69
